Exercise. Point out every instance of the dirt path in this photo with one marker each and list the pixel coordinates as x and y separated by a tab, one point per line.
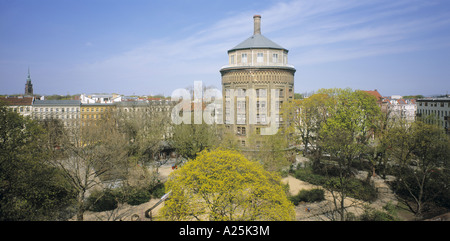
323	210
126	212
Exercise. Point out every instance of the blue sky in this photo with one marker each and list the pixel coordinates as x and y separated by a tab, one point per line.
154	47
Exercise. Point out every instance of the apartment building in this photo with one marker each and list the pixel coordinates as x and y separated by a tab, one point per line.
435	110
21	105
68	111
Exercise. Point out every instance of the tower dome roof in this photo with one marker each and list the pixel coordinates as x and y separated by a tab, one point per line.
257	40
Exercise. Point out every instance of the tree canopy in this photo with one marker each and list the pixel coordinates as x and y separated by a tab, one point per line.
30	189
224	185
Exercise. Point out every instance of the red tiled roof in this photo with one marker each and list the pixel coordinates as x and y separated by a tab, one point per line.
374	93
17	101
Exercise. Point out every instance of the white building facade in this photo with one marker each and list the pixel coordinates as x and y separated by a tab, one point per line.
435	110
68	111
399	108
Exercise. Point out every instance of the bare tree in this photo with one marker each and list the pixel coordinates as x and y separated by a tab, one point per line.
147	128
91	154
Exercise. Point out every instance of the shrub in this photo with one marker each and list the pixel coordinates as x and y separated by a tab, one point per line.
387	214
100	201
359	189
138	196
363	191
144	194
306	174
158	191
313	195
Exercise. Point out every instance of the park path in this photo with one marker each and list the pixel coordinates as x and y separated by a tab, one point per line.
319	211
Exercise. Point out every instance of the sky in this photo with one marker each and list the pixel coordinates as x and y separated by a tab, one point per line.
138	47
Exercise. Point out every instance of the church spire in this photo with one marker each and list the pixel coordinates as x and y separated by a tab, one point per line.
28	85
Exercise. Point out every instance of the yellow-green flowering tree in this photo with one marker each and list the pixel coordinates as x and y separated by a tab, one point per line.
224	185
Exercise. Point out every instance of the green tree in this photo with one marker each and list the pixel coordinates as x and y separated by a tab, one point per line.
421	152
145	128
345	135
310	115
272	151
224	185
29	188
190	139
351	123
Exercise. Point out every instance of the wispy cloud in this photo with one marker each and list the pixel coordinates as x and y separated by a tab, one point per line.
315	31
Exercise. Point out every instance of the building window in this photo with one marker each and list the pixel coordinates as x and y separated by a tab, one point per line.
275	58
261	119
241	92
227	93
244	58
232	59
241	106
261	105
261	92
240	119
260	58
258	130
278	104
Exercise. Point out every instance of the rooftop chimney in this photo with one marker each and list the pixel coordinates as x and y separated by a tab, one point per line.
257	24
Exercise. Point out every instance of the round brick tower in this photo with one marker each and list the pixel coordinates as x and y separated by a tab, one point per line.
256	67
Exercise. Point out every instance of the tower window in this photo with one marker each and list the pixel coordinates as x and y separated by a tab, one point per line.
261	92
244	58
260	58
241	92
275	58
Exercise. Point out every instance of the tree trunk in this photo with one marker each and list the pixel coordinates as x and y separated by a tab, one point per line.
81	206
